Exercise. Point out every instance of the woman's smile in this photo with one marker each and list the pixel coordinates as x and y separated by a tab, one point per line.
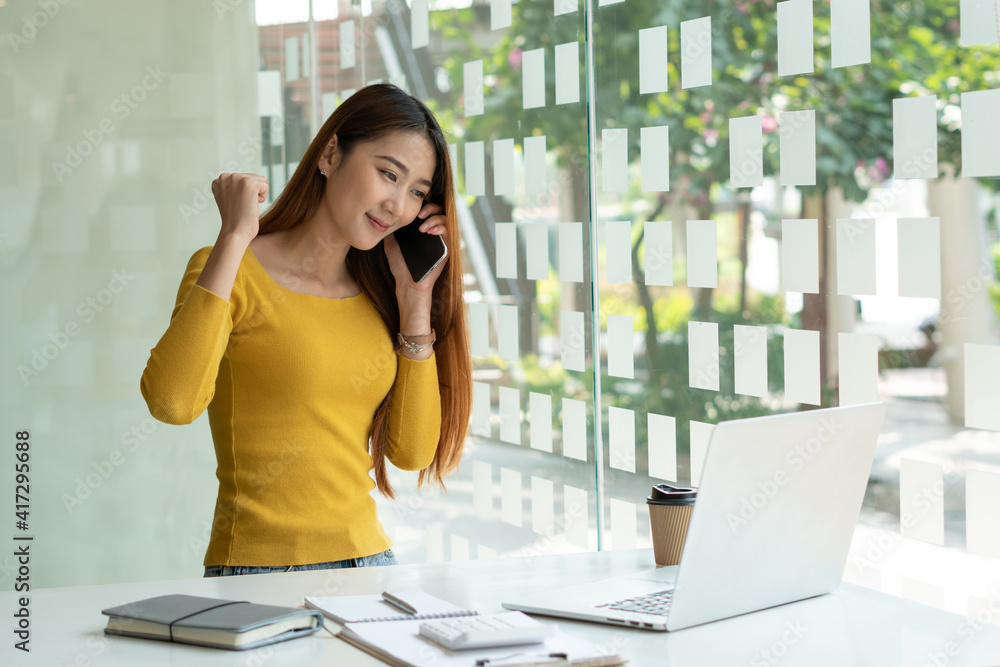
377	224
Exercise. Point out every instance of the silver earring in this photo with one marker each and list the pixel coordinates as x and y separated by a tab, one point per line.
323	171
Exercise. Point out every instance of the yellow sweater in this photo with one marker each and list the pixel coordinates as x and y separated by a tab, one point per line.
292	382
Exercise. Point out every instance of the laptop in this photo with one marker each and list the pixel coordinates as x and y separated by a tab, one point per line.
776	510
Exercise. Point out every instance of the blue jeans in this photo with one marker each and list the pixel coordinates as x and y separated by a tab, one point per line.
384	558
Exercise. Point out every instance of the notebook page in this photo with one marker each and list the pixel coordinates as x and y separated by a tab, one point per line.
403	642
366	608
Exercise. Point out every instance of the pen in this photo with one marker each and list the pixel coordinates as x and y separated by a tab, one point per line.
397	603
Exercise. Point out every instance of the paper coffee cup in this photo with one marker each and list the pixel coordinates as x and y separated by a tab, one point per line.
670	510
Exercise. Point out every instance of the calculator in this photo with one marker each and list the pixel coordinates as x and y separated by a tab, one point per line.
508	628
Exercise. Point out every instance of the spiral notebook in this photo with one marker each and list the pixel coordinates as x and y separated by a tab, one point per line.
374	608
377	627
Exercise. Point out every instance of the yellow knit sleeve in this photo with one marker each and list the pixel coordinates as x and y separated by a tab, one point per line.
179	380
415	414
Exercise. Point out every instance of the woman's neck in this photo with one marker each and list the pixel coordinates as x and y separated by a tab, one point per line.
314	255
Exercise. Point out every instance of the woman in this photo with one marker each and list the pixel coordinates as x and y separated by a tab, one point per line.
287	330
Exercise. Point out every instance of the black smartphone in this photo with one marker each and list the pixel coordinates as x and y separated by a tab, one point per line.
422	252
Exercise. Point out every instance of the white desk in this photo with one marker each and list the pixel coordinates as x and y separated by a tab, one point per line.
854	626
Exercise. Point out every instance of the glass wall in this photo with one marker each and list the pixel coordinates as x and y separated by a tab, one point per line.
672	215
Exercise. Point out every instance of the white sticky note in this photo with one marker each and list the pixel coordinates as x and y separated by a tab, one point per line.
801	353
702	254
696	52
329	104
797	151
506	240
800	256
618	252
269	93
568	73
419	24
654	156
542	505
623	524
459	548
511	497
533	84
982	521
750	359
574	429
479	325
576	517
453	158
484	552
653	60
536	178
292	58
980	138
658	262
856	256
507	332
621	362
614	160
662	434
561	7
850	32
510	415
914	137
347	46
133	228
572	340
482	489
472	76
703	355
982	386
602	3
746	150
857	358
978	22
434	543
621	438
500	14
536	250
540	421
700	435
503	167
481	410
306	56
571	252
921	500
795	37
475	170
919	257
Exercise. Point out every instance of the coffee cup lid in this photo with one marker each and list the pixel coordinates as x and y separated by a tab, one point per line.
665	494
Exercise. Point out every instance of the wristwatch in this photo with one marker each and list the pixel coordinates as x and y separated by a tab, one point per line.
412	347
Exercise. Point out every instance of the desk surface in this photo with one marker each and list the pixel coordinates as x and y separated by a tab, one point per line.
853	626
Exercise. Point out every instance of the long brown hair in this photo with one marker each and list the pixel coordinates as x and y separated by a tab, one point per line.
367	115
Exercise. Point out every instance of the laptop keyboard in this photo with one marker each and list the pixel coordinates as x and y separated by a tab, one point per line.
655	603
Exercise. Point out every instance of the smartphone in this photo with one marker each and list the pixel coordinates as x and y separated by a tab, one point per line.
422	252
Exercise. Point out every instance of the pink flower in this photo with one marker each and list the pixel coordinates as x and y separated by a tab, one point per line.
882	166
514	58
769	123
